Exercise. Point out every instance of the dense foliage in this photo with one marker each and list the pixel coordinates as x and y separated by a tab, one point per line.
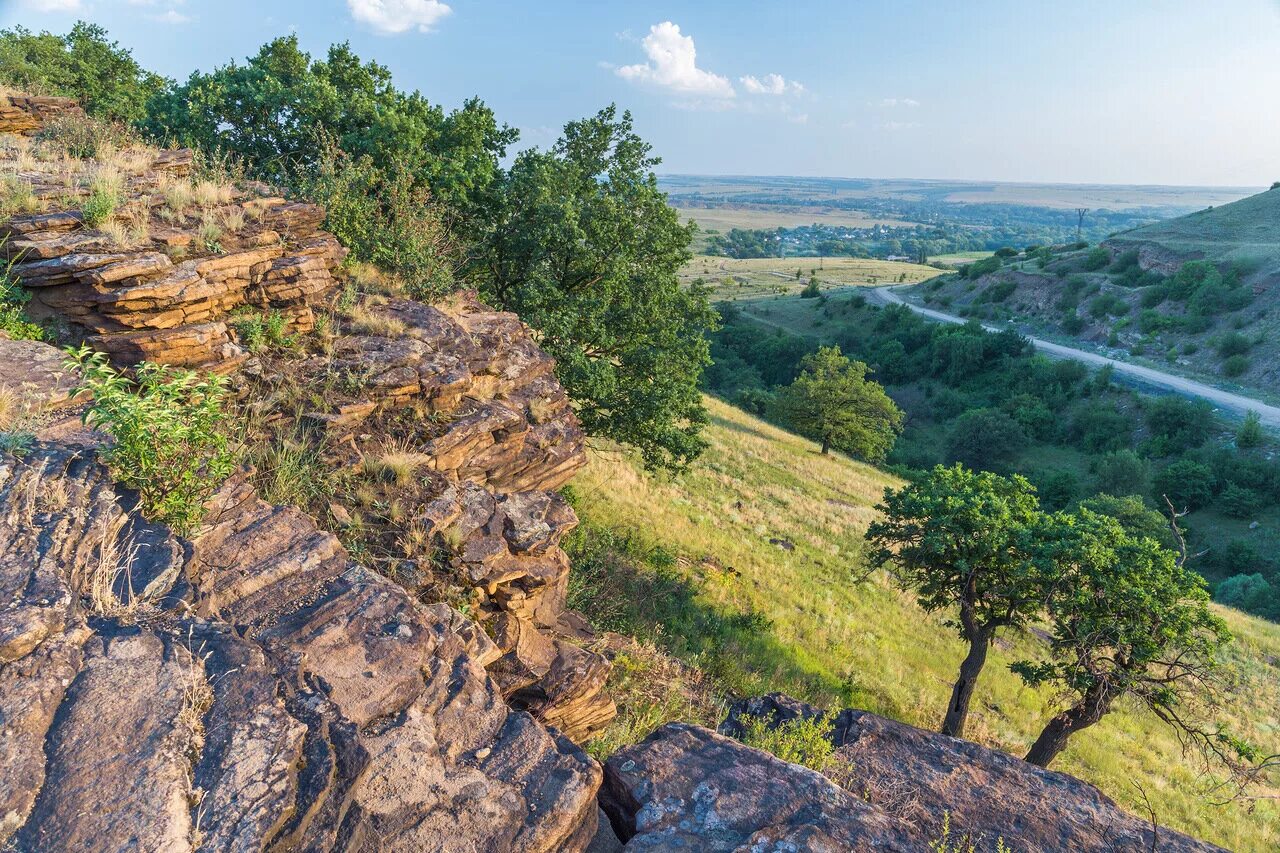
83	64
989	401
584	247
957	539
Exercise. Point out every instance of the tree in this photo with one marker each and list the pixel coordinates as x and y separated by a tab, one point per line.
983	438
582	244
1127	619
277	110
833	402
1250	433
1121	472
959	539
1189	484
100	74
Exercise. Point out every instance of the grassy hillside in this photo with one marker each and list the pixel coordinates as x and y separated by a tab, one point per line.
1246	231
752	278
742	568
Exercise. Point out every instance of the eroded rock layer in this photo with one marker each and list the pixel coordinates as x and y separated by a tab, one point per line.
263	693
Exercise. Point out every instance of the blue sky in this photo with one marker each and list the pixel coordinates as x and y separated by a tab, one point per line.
1140	91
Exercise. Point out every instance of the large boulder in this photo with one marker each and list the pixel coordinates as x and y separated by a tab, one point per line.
688	788
925	778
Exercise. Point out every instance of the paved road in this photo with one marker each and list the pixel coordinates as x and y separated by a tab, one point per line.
1146	375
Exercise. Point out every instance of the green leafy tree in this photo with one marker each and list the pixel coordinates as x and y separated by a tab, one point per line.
984	438
170	442
1128	619
583	246
833	402
277	110
1189	484
100	74
959	540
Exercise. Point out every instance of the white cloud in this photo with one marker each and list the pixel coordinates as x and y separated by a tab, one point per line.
170	16
899	102
397	16
899	125
770	84
673	65
55	5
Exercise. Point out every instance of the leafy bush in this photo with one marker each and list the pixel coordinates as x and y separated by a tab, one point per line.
1235	366
1121	472
13	297
1073	324
1187	483
1250	433
811	290
998	292
170	441
1239	502
84	136
1233	343
1108	304
981	268
982	438
1097	258
803	741
1101	427
1248	592
1178	425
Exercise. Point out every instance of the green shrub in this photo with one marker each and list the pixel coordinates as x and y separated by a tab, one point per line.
1250	433
16	443
170	439
83	137
1073	324
1235	366
1233	344
13	297
1240	502
1187	483
811	290
998	292
804	741
100	206
1097	258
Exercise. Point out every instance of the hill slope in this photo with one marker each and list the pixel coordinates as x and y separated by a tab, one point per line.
1245	231
790	618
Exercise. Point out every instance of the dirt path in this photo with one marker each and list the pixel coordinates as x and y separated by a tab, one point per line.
1189	387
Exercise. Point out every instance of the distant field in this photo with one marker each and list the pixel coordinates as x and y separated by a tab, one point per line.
956	258
724	219
754	278
798	191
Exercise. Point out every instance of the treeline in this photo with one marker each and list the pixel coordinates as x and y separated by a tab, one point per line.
988	401
577	239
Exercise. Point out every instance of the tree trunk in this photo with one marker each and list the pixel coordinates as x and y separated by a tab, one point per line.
962	692
1058	731
826	446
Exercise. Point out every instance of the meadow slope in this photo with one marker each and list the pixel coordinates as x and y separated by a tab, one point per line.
804	626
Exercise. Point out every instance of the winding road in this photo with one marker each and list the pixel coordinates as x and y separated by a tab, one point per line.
1188	387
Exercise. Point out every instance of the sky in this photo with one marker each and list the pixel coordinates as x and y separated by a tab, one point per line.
1176	92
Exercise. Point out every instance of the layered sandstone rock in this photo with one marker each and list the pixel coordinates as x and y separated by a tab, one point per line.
923	778
168	289
266	695
25	114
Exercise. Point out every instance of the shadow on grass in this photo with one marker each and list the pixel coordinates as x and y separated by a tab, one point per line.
628	585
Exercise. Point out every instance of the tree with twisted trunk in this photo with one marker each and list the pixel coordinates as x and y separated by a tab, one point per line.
961	539
1128	618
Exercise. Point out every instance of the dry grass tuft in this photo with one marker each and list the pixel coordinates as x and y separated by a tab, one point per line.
398	463
212	193
368	322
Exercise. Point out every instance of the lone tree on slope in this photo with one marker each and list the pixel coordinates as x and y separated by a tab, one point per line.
962	539
1128	618
833	402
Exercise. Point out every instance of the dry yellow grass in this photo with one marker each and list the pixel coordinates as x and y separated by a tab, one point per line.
836	642
754	278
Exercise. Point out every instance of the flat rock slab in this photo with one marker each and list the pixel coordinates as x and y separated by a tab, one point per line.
36	380
117	754
986	794
688	788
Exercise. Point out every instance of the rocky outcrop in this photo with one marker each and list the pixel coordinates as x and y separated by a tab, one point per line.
921	777
688	788
266	695
25	114
196	254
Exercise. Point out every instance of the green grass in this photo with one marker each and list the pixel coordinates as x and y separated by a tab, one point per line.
1247	230
713	590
